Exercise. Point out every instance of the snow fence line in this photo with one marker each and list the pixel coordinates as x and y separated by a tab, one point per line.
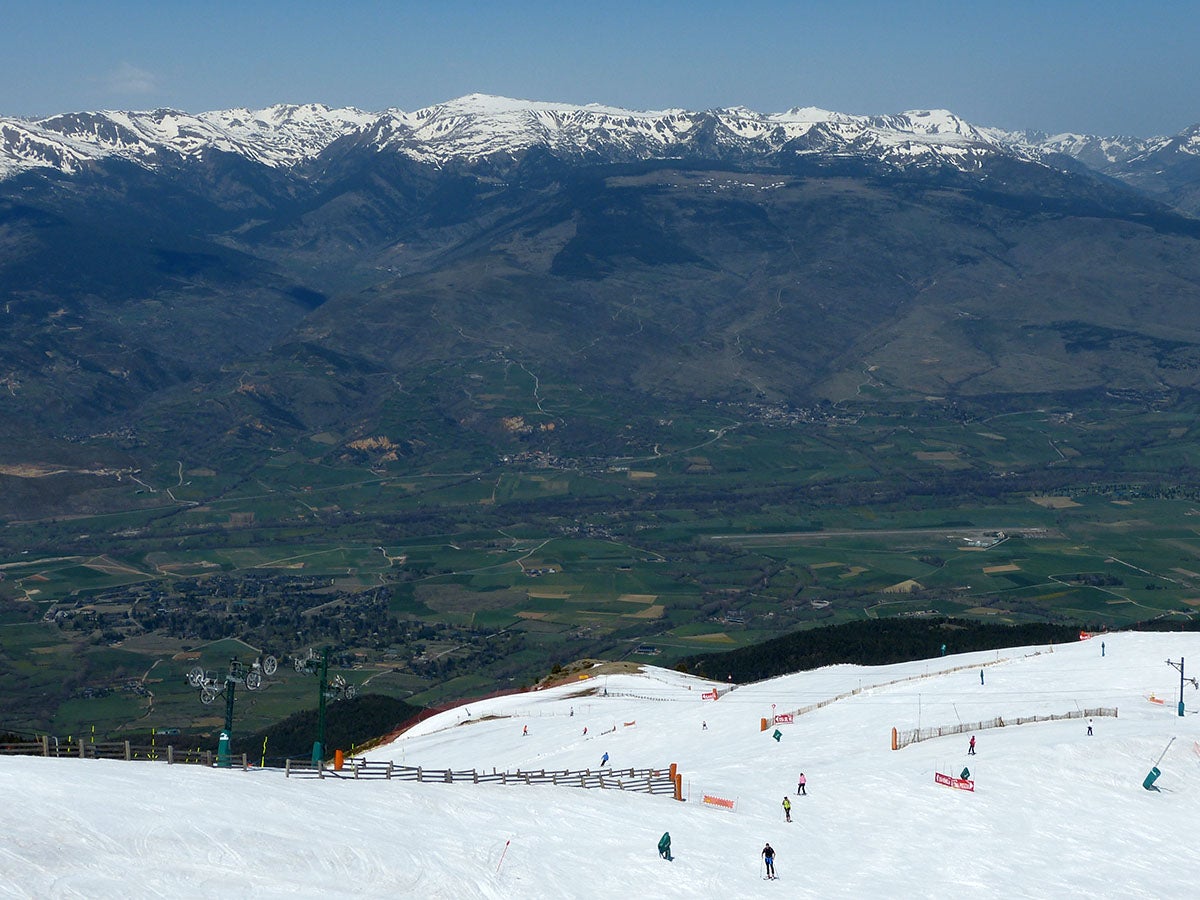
914	735
644	781
714	694
788	717
49	745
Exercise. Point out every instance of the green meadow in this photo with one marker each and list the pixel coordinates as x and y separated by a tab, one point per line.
681	535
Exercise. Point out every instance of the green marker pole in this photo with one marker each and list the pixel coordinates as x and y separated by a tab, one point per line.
318	753
223	752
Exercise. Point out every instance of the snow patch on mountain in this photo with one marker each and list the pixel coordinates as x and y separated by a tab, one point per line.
483	128
478	127
278	136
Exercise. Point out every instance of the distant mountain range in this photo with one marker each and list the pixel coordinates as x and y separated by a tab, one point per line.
479	129
187	284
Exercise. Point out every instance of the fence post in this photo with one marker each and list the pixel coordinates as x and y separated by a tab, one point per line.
245	764
45	745
128	755
170	754
287	768
895	739
208	758
82	754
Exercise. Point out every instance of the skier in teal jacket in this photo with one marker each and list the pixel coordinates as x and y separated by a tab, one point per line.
664	845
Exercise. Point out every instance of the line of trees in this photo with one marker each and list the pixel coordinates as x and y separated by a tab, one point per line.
870	643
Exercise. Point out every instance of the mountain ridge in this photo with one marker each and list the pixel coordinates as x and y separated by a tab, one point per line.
797	260
479	126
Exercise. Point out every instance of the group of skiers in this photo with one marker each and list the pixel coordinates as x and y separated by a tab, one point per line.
603	760
801	790
971	746
768	852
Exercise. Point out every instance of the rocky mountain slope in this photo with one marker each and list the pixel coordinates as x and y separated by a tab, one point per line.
258	277
478	127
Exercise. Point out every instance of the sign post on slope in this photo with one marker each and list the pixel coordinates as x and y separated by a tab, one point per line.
962	784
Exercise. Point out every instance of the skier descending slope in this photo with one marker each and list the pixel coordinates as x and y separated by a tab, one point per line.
768	855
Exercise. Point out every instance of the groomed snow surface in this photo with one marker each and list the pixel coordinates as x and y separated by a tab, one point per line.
1055	813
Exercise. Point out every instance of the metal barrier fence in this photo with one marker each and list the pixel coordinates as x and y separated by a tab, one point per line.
870	687
915	735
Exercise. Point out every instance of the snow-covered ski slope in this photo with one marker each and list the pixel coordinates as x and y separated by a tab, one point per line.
1055	813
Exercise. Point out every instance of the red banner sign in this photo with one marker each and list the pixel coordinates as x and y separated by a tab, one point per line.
709	695
783	719
962	784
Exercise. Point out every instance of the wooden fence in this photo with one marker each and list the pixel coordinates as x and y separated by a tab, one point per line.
646	781
48	745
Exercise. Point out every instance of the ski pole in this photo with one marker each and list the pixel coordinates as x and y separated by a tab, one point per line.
502	852
1164	753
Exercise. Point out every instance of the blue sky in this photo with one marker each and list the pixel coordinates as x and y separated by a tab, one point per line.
1099	67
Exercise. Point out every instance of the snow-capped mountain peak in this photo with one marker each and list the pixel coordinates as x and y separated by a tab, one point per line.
277	136
483	127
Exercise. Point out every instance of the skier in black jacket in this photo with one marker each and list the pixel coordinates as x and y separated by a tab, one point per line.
768	855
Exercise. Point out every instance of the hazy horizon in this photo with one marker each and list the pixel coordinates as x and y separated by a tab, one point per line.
1100	68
